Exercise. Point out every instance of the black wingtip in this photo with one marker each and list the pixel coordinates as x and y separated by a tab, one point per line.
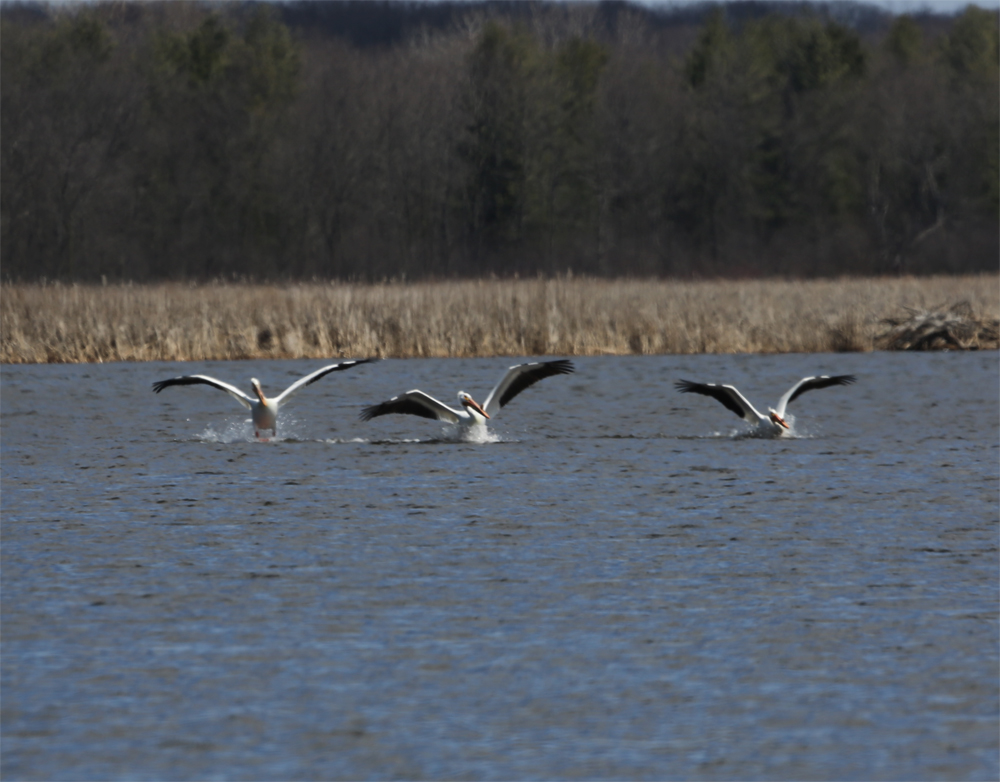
159	385
837	380
684	386
347	363
369	413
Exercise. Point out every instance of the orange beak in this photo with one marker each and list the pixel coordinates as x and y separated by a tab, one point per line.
470	402
779	420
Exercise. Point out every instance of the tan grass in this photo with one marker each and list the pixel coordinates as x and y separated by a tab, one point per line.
568	316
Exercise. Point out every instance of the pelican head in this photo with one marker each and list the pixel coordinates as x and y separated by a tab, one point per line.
777	419
257	390
468	401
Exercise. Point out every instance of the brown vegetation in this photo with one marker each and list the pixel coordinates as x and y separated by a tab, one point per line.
956	327
566	316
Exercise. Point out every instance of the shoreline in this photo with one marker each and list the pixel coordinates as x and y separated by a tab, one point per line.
74	323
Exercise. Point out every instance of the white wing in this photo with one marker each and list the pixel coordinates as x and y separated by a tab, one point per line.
727	395
520	377
190	380
314	376
809	384
414	402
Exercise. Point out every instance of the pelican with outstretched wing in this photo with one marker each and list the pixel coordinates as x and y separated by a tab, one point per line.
264	411
773	424
470	413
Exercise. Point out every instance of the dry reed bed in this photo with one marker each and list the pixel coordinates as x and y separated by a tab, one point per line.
82	323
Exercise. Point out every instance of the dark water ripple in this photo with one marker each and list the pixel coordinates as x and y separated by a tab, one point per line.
617	589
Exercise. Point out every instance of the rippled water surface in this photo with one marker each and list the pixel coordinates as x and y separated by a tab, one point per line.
616	588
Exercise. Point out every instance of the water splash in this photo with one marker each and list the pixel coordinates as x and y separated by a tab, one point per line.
472	434
449	434
235	431
290	430
766	434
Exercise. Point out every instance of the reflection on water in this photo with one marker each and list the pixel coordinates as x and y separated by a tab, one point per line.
621	586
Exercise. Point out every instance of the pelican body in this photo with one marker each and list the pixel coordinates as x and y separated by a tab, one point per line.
470	413
773	424
263	411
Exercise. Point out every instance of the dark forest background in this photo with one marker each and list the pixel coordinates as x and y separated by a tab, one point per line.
150	141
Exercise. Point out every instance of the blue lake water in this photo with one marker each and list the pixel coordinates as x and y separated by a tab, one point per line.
618	586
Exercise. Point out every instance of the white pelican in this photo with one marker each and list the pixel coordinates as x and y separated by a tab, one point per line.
773	424
263	410
470	414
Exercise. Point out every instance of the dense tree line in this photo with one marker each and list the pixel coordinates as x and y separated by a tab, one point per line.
180	140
